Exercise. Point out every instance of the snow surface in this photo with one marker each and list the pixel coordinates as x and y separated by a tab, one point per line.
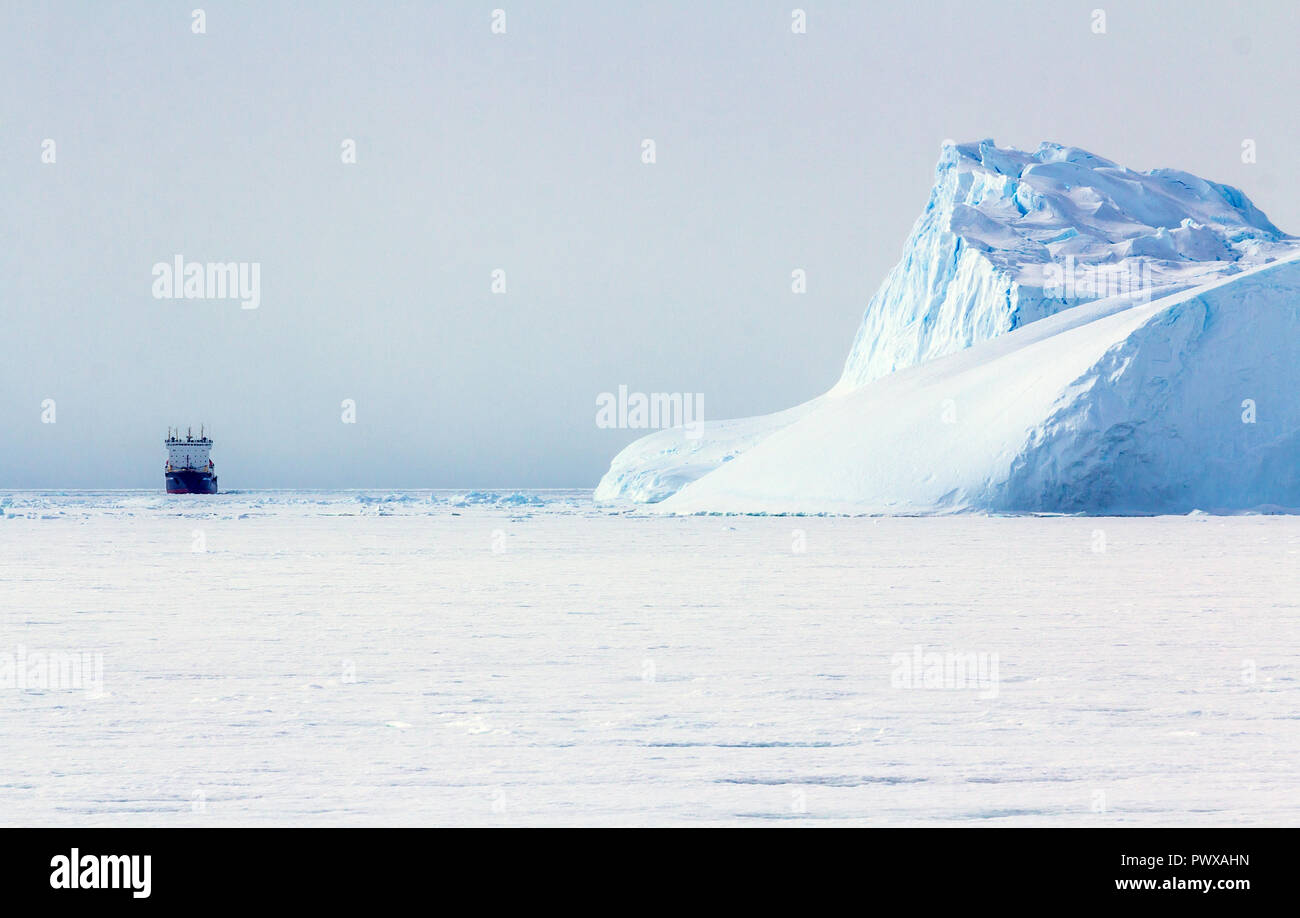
1007	240
368	658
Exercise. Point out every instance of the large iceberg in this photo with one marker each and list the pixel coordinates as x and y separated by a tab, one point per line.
1061	334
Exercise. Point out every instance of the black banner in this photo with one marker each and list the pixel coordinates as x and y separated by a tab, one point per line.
930	866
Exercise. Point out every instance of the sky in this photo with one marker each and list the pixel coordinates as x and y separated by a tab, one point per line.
379	355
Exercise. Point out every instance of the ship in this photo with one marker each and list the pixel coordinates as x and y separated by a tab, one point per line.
189	470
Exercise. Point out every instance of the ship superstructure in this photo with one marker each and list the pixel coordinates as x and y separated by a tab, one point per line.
189	468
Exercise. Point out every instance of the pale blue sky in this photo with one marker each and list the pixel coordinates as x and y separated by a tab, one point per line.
522	152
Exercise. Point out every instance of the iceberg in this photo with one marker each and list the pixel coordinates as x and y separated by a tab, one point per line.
1062	334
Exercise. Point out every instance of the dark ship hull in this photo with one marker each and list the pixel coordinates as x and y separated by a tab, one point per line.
191	481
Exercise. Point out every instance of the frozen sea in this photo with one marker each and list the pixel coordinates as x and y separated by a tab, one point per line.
521	658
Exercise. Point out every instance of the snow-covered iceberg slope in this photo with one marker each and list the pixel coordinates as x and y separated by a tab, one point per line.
1050	241
660	464
1117	406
